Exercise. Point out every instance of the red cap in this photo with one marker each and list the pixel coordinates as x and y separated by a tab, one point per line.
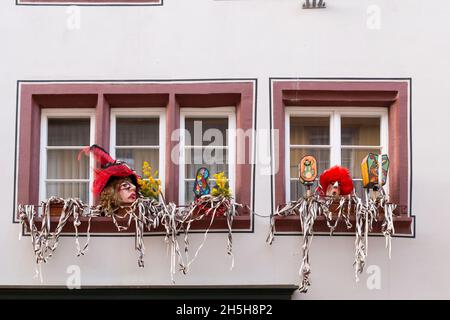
337	174
109	168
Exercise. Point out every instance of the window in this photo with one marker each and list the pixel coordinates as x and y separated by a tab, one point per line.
89	2
207	140
135	122
339	121
63	134
334	136
138	135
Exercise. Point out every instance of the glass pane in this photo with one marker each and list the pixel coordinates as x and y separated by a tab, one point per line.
137	131
310	130
68	132
69	190
188	191
135	158
216	160
298	189
206	131
360	131
358	188
352	158
322	156
63	164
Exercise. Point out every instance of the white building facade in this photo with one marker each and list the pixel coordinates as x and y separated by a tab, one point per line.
105	70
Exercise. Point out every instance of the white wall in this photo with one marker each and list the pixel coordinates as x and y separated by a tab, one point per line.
240	39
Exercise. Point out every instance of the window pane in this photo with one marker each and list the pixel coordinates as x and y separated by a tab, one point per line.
63	164
68	132
135	158
215	160
360	131
69	190
137	131
359	190
298	189
352	158
206	131
322	156
310	130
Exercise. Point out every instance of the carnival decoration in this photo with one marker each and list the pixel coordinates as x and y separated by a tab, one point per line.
335	182
374	170
201	184
130	201
335	200
217	203
307	176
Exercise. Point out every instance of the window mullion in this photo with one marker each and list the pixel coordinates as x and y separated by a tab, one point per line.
287	159
335	138
91	161
182	160
384	134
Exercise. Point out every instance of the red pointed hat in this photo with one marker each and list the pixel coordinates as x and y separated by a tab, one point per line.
337	174
109	168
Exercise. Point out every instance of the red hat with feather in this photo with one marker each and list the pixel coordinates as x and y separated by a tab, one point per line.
336	175
108	168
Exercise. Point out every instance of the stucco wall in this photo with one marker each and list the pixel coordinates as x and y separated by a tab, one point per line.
260	39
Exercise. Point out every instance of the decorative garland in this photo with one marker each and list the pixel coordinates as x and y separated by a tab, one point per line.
145	213
150	210
313	205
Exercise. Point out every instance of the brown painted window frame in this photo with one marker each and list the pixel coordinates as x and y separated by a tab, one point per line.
92	2
171	95
393	94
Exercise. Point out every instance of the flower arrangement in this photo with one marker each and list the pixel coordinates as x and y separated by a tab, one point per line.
150	185
222	187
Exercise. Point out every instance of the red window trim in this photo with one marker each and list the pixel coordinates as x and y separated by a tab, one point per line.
104	96
393	95
89	2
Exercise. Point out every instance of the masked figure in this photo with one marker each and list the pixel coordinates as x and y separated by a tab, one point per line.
335	182
114	182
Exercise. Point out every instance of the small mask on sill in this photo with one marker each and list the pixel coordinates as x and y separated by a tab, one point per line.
307	170
374	170
201	185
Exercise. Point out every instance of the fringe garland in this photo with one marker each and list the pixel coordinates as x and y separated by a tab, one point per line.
366	213
144	212
213	206
45	242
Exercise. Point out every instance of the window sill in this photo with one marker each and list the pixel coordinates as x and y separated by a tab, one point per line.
105	224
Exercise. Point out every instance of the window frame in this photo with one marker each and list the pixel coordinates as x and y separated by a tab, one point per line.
66	113
102	96
335	146
394	94
159	113
216	112
90	2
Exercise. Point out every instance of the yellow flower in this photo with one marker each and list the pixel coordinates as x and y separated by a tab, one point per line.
150	186
221	187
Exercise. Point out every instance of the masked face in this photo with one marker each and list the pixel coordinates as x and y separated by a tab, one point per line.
333	190
127	192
